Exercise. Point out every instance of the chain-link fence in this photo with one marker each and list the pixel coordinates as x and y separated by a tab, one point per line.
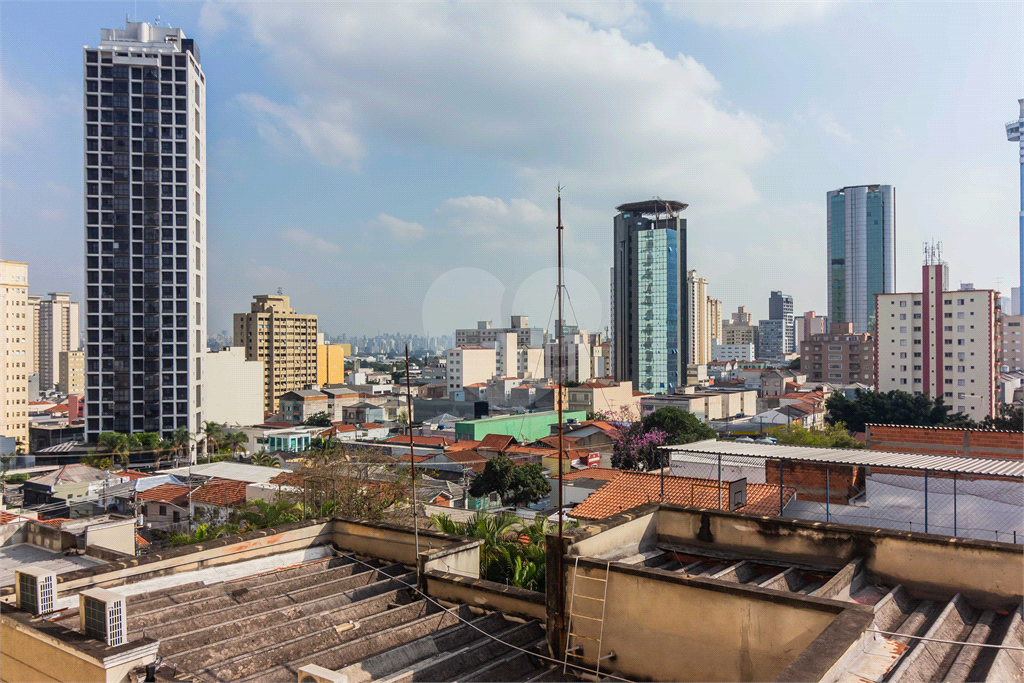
990	508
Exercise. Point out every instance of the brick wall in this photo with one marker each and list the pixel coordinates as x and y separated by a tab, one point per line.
844	482
978	443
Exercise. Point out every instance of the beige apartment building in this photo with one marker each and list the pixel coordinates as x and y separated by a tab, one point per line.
284	340
16	349
839	357
55	321
940	343
1012	343
607	397
740	329
469	365
71	372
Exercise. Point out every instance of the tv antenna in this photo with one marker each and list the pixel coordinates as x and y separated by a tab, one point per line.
280	292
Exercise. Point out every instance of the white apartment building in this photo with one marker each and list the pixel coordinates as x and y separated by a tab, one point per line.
234	394
468	365
57	331
725	352
939	343
1012	342
575	358
16	349
530	363
145	230
71	372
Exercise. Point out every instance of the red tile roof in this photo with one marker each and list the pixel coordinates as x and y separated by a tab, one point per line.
552	441
371	425
466	444
62	408
140	542
175	494
632	489
221	492
497	442
55	522
132	474
289	479
418	440
419	458
604	473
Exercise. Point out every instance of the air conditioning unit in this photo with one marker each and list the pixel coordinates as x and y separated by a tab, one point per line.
102	615
311	673
35	589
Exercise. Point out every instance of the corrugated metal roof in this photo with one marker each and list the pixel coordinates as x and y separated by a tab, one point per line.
846	456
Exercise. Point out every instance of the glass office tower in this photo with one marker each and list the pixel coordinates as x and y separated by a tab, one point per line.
648	307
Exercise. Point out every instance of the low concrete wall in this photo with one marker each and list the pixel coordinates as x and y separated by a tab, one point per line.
485	594
438	551
46	536
627	533
665	626
118	536
12	533
989	574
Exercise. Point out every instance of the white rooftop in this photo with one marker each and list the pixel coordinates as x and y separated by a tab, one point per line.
14	557
235	471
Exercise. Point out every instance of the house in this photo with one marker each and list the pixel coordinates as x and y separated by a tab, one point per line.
604	396
578	485
215	500
372	430
361	412
440	425
69	482
420	441
164	507
299	405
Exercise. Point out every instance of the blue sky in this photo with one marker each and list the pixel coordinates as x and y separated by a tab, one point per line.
392	166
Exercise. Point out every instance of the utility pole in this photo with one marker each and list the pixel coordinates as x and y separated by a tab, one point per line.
412	459
561	453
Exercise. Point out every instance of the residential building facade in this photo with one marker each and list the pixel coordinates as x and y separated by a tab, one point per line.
71	372
939	343
485	332
808	325
650	316
574	359
468	365
734	332
778	334
145	231
284	340
725	352
605	397
1012	342
839	357
57	331
17	355
330	364
299	405
234	388
698	339
861	229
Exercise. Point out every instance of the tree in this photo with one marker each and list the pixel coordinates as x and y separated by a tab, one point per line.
834	436
259	514
160	451
120	445
893	407
236	441
506	556
265	459
214	433
638	449
681	426
1009	417
203	532
514	483
181	440
321	419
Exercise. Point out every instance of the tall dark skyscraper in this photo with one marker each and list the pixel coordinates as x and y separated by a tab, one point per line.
648	298
145	231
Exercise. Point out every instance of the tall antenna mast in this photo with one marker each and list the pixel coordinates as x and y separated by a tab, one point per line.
558	393
412	460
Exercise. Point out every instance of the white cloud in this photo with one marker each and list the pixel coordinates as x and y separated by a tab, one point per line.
403	231
308	240
540	90
749	14
319	128
22	112
825	121
501	223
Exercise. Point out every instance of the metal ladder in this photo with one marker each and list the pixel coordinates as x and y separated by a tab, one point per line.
570	634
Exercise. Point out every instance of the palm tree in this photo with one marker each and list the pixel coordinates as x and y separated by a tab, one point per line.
236	441
265	459
180	439
163	447
120	445
203	532
259	514
213	433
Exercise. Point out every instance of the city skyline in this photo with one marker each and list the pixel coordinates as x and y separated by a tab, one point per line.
363	199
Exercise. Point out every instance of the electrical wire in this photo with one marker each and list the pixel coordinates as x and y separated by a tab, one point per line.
948	642
485	633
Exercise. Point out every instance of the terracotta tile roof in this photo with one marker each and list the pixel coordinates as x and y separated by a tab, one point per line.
62	408
418	440
600	424
605	473
132	474
221	492
55	522
371	425
530	450
419	458
140	542
497	442
631	489
474	385
465	456
175	494
7	518
552	441
467	444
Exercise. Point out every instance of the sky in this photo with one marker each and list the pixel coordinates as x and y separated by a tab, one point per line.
392	167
